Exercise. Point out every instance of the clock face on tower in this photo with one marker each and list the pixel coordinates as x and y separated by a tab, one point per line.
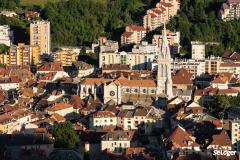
112	93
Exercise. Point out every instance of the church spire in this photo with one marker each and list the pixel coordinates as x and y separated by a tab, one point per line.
164	79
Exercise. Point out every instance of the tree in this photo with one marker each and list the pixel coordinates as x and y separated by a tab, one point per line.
3	48
198	20
65	136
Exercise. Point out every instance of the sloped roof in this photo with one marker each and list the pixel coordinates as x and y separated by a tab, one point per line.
221	139
180	138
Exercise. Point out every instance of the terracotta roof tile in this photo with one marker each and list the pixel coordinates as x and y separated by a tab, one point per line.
59	106
181	138
127	34
51	66
221	139
136	28
103	114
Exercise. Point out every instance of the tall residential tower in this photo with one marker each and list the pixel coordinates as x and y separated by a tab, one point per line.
40	35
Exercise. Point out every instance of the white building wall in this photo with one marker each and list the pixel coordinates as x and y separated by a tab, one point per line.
112	145
103	121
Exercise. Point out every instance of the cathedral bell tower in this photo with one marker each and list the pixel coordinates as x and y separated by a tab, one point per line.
164	79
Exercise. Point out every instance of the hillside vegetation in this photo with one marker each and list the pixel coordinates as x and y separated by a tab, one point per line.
37	2
197	20
78	22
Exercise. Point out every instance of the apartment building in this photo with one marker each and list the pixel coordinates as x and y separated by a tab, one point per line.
103	118
4	59
235	134
6	35
173	41
105	45
230	67
212	64
141	57
133	34
22	54
63	109
14	120
116	141
195	67
230	10
162	13
198	50
66	57
40	35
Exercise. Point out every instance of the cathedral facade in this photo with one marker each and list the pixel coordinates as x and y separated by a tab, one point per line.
142	91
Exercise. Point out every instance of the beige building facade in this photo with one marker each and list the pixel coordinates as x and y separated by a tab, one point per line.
40	35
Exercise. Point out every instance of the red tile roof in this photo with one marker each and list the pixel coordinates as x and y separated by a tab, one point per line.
228	64
57	117
127	34
48	76
59	106
14	79
180	138
103	114
136	28
182	77
166	4
221	139
233	1
51	66
76	101
135	150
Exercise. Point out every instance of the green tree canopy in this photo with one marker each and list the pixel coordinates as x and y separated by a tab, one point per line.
9	4
65	136
198	20
3	48
80	22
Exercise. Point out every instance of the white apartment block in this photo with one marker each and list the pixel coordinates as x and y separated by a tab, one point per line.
133	34
198	50
195	67
103	118
230	10
235	134
116	141
6	35
160	14
230	67
141	57
40	35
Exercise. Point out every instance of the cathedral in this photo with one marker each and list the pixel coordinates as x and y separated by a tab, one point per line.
138	91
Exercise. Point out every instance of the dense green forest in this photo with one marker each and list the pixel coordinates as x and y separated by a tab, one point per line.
79	22
9	4
198	20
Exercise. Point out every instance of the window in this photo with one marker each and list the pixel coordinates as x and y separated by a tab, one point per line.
127	90
111	120
136	90
123	59
144	90
153	91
